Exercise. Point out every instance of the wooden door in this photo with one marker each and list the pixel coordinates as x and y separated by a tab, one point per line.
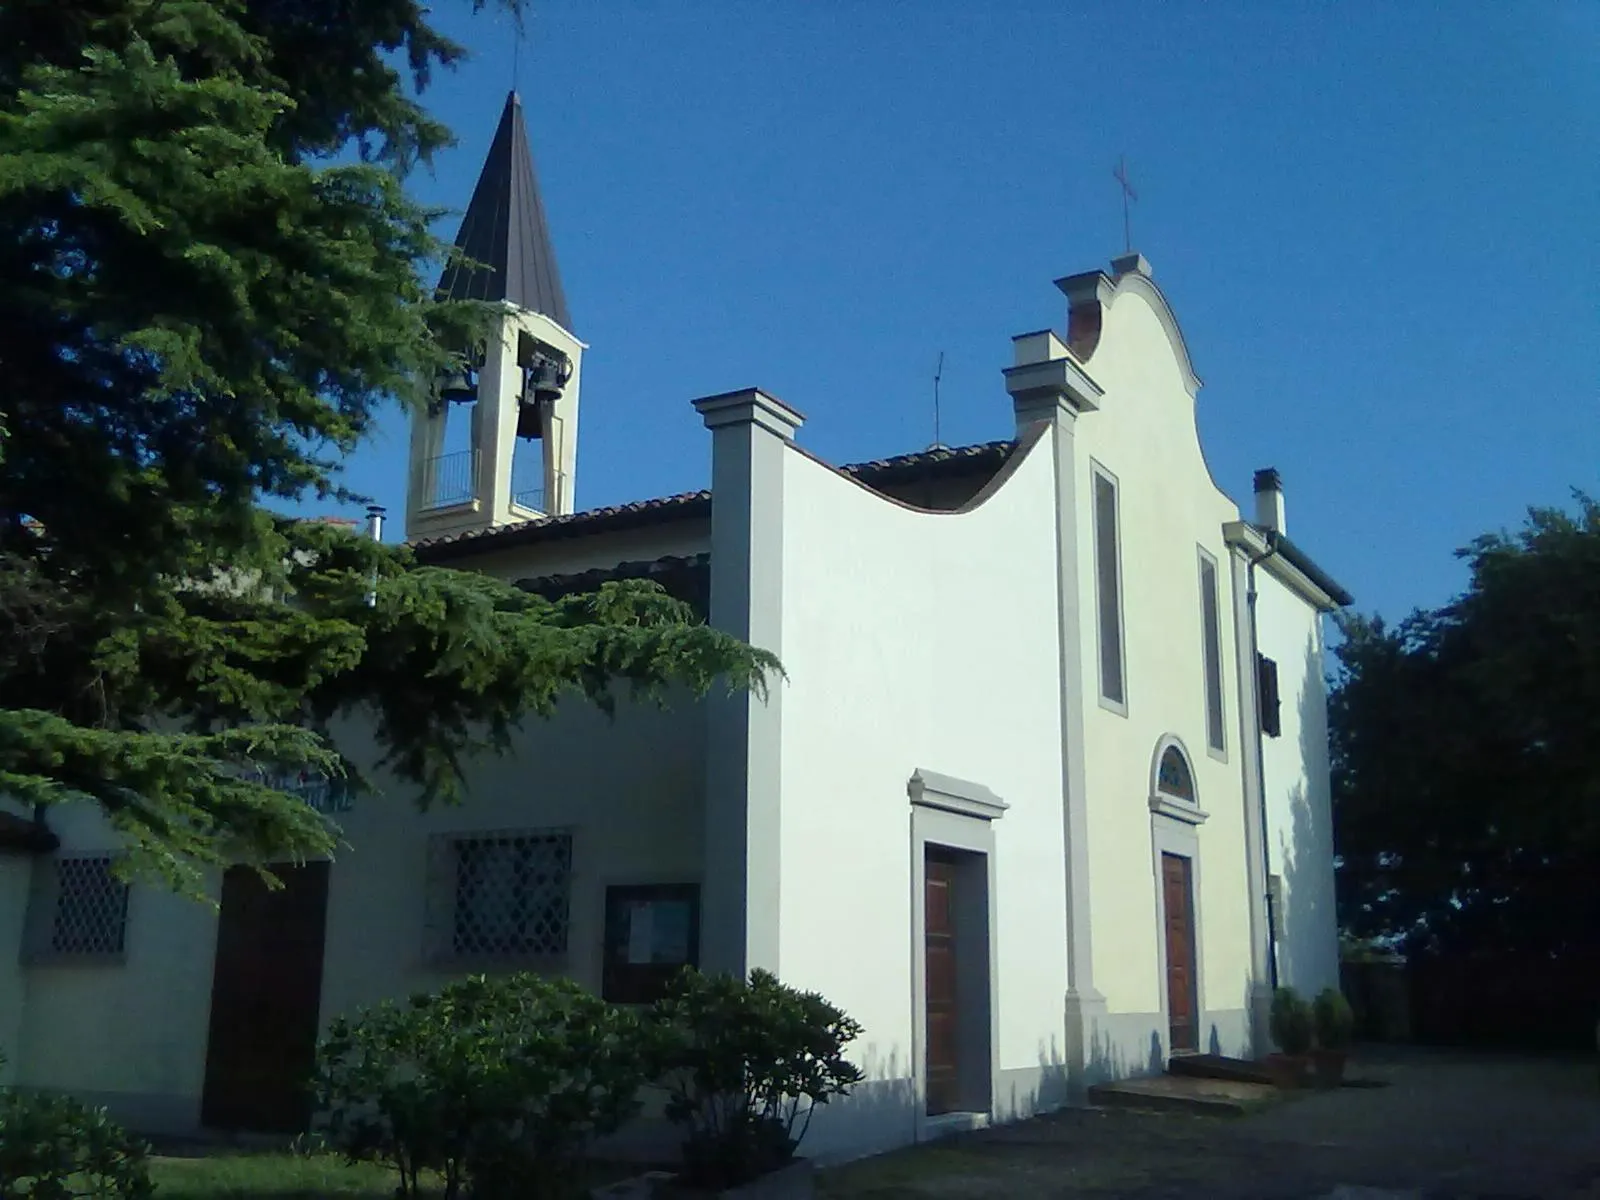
266	990
939	924
1178	901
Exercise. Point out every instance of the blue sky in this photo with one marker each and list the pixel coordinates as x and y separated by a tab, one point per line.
1379	225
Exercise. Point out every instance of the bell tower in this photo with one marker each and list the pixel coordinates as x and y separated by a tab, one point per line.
498	443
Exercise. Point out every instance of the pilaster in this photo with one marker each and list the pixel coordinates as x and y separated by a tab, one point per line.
1047	384
750	435
499	383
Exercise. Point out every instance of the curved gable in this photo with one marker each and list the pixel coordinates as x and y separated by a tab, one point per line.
1092	294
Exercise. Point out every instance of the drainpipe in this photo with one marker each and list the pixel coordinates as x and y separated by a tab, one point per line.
1261	760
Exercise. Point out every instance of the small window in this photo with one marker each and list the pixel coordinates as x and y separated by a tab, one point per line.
1108	588
1173	777
652	933
1271	707
80	911
501	897
1211	621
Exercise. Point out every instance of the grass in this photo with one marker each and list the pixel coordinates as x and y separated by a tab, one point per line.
236	1175
269	1177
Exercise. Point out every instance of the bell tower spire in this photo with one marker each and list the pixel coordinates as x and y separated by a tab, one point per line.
498	444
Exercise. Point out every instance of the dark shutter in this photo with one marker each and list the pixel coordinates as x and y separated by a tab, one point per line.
1271	718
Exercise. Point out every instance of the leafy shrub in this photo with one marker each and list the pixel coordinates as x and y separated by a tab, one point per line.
56	1148
1291	1022
497	1084
744	1062
1333	1019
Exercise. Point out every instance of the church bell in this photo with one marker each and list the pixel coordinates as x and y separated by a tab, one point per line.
542	382
530	418
457	386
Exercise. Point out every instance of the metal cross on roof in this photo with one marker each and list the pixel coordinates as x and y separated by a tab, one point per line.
1121	176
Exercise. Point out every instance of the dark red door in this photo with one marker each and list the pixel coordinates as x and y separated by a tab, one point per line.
1177	896
266	990
939	922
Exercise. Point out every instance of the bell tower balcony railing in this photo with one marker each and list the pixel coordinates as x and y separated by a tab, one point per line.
449	479
529	489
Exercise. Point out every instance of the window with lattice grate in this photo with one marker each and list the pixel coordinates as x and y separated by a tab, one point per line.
500	896
79	911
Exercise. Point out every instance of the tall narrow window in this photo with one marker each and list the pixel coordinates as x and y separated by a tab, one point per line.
1216	735
1108	589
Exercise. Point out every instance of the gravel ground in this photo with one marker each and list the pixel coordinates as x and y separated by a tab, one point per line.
1448	1127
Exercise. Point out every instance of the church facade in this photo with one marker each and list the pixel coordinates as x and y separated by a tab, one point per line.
1042	800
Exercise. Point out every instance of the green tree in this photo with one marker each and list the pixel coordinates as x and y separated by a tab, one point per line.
1466	794
205	301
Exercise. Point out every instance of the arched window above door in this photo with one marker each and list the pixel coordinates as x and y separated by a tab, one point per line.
1173	776
1172	783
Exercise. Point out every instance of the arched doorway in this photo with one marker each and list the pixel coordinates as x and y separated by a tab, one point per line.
1175	814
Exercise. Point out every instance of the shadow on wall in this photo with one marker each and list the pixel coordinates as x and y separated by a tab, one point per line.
882	1112
1110	1060
1022	1094
879	1114
1308	931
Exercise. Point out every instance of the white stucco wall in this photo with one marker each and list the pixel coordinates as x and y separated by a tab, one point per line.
1144	434
917	640
16	870
132	1035
129	1035
1299	813
630	791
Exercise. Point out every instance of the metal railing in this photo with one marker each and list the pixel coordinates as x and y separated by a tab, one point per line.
449	479
528	489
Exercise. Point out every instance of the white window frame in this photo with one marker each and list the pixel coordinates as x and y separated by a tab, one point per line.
1118	705
1208	679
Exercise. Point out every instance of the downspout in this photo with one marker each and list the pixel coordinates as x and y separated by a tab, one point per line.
1261	760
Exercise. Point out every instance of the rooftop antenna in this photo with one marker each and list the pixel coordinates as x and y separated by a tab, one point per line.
1120	174
938	372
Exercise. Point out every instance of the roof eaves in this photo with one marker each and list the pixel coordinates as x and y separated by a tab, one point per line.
1288	563
682	507
19	833
1304	563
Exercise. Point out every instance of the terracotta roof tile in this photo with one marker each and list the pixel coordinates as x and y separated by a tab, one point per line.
942	460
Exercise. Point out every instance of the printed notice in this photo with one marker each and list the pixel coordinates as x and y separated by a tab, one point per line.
641	933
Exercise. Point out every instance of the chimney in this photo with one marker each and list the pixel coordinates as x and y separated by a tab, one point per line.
375	532
1269	500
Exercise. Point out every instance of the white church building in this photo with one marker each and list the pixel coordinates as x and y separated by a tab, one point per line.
1042	801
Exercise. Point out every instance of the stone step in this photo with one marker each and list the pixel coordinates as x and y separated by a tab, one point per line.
1217	1066
1180	1093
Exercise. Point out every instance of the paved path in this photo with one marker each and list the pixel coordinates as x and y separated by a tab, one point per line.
1448	1127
